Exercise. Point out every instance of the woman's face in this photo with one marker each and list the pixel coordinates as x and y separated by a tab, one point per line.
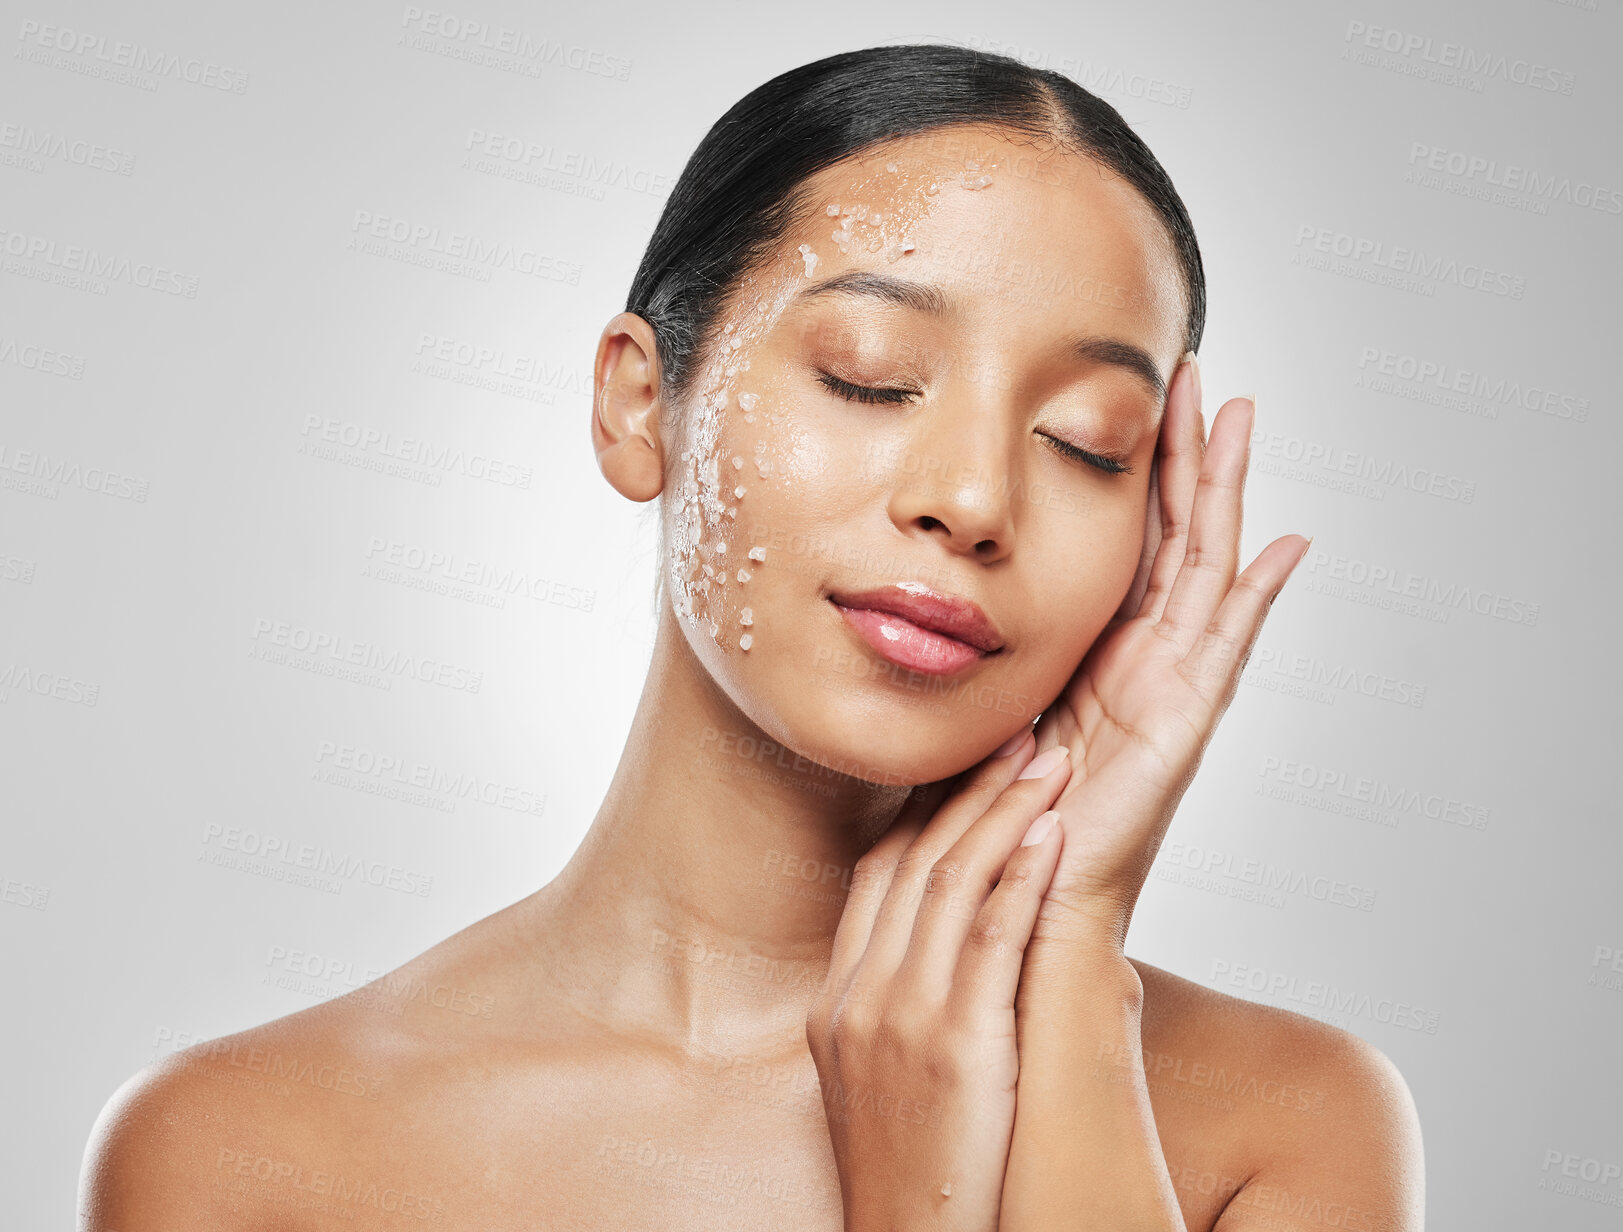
1006	301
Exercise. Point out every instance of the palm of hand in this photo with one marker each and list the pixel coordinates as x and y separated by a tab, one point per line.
1142	706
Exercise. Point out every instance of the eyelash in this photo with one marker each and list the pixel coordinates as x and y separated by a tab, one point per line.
894	397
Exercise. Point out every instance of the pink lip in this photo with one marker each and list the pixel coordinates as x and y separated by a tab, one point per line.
919	628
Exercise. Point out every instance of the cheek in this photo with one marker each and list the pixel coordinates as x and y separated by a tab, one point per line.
1089	558
746	525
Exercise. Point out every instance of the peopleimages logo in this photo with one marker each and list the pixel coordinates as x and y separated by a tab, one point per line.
319	644
475	38
409	772
133	56
1320	994
38	146
1491	173
1449	379
1466	59
479	253
411	451
1268	876
78	260
1376	254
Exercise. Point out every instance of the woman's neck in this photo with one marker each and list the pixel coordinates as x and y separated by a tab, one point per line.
699	910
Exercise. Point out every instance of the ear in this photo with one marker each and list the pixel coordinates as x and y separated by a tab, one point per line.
626	408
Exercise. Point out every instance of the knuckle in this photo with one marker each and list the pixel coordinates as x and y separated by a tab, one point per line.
943	1058
898	1032
916	863
1021	869
989	932
947	874
849	1024
873	865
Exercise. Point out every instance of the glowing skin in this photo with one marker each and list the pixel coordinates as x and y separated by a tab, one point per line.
629	1004
779	489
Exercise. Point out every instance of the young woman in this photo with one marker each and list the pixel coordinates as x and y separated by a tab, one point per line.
950	608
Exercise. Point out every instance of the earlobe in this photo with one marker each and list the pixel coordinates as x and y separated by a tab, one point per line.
626	408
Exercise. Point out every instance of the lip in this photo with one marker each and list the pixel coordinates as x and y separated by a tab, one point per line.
920	628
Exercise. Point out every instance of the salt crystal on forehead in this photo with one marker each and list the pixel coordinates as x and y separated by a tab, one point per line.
732	511
745	642
980	183
709	572
933	188
744	575
758	554
738	463
748	401
715	628
809	257
749	417
890	166
907	244
738	492
833	211
972	164
746	617
841	236
722	548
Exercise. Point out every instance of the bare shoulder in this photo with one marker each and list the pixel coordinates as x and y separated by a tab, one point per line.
1289	1115
279	1125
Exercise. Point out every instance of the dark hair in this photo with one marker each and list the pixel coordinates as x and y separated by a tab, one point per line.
741	191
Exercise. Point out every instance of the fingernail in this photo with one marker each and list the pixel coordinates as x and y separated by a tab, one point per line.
1012	743
1039	829
1195	372
1045	763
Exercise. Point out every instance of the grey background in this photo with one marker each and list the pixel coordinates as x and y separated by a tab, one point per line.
144	715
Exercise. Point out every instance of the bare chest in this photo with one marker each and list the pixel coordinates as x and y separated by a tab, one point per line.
581	1149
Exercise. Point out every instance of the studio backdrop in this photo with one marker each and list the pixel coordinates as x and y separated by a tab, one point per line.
320	630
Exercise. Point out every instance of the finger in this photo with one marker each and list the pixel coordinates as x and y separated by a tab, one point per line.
1214	665
1180	452
893	926
1152	545
988	974
1212	552
874	873
960	881
870	878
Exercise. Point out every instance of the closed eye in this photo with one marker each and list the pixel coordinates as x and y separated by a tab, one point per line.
864	393
1114	466
870	394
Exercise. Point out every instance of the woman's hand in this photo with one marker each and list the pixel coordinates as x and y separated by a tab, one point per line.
1142	706
914	1033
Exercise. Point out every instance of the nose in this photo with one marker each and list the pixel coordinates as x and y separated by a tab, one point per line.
952	480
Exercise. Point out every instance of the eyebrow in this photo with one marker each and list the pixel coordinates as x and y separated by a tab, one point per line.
924	298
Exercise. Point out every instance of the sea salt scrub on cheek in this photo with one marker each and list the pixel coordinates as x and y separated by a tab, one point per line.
738	439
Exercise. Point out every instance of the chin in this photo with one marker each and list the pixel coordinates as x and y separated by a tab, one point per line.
882	735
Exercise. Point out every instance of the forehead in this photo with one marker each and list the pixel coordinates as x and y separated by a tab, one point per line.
1017	234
